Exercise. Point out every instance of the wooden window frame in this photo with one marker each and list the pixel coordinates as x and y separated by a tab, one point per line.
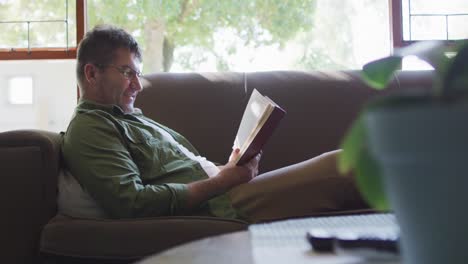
51	53
396	26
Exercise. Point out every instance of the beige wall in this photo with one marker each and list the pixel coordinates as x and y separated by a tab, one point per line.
54	95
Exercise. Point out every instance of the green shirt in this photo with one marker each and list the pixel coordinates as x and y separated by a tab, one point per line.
129	169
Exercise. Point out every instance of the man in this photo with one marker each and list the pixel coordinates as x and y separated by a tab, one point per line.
132	166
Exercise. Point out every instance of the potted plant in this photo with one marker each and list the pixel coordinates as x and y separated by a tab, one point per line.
413	149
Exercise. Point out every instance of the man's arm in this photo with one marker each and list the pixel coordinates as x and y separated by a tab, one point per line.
96	155
229	177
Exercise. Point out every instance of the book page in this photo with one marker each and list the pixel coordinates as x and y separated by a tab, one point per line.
263	118
253	114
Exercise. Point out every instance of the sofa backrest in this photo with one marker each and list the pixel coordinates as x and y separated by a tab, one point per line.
207	108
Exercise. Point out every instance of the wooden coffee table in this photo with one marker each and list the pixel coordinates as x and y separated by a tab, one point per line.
237	248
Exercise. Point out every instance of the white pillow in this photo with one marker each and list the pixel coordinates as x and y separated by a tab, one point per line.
73	200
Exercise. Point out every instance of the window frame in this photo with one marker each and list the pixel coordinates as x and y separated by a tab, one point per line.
51	53
396	26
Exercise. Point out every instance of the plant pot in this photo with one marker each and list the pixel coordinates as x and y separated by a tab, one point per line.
422	151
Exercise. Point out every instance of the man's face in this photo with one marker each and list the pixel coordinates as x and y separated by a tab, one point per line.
118	83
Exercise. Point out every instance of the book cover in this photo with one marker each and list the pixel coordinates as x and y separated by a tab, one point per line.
260	119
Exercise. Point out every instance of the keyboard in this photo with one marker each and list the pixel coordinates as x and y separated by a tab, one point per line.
291	235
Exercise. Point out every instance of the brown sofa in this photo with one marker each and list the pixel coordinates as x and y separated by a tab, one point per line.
206	108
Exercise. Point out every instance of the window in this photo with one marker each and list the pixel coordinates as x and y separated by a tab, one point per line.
430	19
41	29
410	20
20	90
38	94
196	39
255	35
415	20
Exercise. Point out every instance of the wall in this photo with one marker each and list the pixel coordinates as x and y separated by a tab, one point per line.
54	95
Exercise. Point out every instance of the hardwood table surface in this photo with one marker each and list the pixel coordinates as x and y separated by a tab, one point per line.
237	248
227	248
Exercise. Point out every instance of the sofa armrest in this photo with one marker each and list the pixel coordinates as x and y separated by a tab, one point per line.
127	239
29	161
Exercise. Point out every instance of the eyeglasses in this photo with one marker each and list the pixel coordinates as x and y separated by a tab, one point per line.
126	71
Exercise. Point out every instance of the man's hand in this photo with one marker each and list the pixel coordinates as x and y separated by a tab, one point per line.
230	176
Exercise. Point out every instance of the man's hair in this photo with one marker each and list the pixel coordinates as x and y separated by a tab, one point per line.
99	45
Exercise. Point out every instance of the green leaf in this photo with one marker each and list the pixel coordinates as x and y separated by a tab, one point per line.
356	156
370	182
378	73
456	78
352	146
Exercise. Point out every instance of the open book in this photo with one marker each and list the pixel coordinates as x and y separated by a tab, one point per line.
261	117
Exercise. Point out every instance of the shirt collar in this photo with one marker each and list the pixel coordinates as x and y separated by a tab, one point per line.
85	104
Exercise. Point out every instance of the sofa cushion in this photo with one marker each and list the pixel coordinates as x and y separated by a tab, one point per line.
73	200
128	238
